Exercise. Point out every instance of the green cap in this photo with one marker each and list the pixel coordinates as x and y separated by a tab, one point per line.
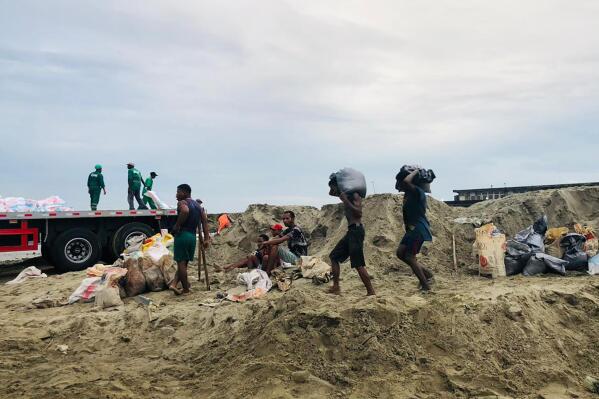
98	166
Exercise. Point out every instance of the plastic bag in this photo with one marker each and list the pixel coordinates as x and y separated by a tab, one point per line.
155	247
573	245
255	279
350	181
594	265
86	290
134	244
540	225
423	178
107	297
311	266
136	282
156	252
513	265
491	246
554	265
30	272
157	201
534	267
531	238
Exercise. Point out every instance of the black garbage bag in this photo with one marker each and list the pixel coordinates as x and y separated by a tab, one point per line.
513	265
554	265
540	226
534	240
423	179
577	265
535	266
575	256
517	249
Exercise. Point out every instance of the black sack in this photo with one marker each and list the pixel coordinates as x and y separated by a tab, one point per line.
574	254
534	267
513	265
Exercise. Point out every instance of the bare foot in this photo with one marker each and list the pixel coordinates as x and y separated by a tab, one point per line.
370	293
186	292
335	290
176	290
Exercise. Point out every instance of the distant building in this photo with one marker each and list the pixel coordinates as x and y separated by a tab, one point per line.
472	196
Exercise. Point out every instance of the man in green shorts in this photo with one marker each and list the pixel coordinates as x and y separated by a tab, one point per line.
189	216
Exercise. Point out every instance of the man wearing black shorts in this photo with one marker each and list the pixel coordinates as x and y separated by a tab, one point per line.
352	245
417	227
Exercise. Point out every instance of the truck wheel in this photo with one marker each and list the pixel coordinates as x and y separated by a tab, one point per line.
76	249
119	239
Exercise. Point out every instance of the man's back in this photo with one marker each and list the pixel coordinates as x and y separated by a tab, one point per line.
134	178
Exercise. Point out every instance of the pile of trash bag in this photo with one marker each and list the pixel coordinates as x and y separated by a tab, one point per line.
349	181
539	250
19	204
146	264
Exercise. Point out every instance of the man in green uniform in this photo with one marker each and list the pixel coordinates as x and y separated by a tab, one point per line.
95	184
135	182
148	187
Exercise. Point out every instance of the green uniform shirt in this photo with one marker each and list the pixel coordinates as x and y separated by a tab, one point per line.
134	178
149	184
95	181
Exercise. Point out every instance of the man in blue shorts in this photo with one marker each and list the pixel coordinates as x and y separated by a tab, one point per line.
417	226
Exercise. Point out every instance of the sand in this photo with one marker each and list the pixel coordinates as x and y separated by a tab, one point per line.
471	337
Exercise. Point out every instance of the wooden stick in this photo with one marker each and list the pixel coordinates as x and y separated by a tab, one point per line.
200	252
455	258
202	259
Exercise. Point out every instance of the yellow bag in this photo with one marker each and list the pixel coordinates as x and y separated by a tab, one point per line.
149	242
491	248
555	233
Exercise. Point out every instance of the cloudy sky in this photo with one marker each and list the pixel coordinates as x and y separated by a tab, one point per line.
259	101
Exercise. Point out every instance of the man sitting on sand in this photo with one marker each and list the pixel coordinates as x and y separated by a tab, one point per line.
188	219
417	227
352	245
254	260
297	245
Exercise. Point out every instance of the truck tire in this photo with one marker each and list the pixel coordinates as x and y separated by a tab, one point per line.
118	242
76	249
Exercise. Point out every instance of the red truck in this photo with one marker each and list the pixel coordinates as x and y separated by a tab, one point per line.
76	240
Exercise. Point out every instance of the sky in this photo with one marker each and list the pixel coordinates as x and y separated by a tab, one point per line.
260	101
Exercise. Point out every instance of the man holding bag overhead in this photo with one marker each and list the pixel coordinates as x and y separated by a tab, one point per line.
414	215
350	186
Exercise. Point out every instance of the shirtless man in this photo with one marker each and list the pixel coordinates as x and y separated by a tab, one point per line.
352	245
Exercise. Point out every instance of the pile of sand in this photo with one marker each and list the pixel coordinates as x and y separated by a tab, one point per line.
472	337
